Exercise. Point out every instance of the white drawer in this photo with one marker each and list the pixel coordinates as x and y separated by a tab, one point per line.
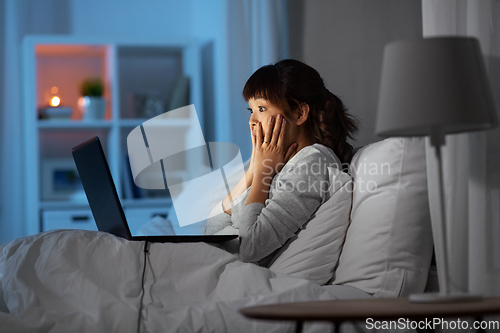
68	219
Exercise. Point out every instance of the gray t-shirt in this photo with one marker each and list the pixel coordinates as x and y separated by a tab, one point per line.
295	194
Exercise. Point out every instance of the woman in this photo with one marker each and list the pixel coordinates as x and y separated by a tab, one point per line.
298	129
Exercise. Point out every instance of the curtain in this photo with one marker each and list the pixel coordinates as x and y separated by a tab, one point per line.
471	161
257	36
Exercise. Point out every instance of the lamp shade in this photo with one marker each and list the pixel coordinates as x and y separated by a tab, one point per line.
434	83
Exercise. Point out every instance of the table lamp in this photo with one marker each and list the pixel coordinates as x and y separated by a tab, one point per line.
432	87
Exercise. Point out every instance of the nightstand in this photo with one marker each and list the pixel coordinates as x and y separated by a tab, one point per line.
377	310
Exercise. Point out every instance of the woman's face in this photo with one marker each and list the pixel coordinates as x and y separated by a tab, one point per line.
261	109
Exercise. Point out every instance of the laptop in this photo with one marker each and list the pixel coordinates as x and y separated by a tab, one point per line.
103	199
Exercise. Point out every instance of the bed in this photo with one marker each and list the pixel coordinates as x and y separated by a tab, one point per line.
87	281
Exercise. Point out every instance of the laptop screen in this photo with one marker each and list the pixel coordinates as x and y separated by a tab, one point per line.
100	189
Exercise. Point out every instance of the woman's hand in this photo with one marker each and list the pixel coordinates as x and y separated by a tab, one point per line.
244	183
270	157
269	153
252	157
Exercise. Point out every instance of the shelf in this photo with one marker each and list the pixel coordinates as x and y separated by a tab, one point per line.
177	123
141	79
105	124
64	205
146	73
65	67
126	203
146	202
73	124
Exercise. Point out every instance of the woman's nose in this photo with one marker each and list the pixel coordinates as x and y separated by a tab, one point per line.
253	120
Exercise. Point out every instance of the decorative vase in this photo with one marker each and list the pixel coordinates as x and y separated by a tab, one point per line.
93	107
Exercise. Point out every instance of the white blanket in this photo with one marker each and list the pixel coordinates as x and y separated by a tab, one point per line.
85	281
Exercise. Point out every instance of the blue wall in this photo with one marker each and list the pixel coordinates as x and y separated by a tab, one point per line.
201	19
342	39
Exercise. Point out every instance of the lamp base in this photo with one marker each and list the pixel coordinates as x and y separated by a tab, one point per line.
444	298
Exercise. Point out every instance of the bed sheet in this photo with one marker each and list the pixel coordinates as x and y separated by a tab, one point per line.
86	281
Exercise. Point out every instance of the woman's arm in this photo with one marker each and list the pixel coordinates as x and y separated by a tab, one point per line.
221	213
218	220
296	195
244	183
263	229
241	187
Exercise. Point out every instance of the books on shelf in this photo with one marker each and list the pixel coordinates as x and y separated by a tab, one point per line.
180	94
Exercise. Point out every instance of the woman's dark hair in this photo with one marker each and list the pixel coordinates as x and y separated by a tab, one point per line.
290	83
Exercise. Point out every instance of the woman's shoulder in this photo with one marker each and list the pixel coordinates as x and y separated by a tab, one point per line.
314	159
314	154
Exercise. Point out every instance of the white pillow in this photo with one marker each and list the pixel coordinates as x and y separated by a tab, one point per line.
388	246
314	251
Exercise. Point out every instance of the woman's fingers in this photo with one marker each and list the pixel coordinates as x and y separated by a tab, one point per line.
277	129
259	134
281	136
253	133
269	130
290	151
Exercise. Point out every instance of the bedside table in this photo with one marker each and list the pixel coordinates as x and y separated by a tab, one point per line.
377	310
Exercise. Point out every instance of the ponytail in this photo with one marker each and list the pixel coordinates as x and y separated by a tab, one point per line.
331	125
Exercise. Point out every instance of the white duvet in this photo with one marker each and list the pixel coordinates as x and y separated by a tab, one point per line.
85	281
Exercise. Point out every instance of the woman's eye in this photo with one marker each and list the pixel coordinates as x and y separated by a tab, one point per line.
262	109
251	111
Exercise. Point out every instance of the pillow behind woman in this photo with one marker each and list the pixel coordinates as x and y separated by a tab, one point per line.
388	247
314	252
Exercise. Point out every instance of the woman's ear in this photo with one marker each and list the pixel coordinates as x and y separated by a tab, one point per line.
303	113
